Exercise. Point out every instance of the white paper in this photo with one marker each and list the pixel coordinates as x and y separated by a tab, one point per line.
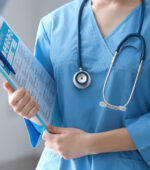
30	74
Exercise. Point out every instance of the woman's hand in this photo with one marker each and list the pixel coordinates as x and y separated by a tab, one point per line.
21	101
67	142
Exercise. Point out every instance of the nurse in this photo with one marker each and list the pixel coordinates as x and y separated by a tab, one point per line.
93	137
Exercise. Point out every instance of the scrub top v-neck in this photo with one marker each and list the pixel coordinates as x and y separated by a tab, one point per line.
56	49
117	30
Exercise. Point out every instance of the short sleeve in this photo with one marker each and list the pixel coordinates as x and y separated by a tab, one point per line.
139	130
42	53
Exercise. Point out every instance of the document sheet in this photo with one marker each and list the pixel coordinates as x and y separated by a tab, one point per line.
30	74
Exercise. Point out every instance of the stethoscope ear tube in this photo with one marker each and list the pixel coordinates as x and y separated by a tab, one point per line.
142	40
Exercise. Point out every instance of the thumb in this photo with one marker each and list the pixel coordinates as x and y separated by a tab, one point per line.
55	130
8	87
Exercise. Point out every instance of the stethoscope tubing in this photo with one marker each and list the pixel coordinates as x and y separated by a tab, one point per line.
120	47
79	33
136	35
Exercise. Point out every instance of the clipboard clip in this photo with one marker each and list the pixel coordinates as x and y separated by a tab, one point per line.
6	63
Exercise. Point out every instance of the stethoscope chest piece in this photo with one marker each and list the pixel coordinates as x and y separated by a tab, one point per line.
82	79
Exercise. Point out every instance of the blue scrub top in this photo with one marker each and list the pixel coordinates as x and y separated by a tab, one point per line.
56	49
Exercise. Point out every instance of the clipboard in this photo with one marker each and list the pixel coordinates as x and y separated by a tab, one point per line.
21	69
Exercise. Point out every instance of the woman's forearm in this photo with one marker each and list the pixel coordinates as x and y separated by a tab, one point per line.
111	141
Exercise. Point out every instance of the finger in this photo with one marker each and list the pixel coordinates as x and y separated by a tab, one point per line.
8	87
56	130
44	136
28	107
33	111
22	102
47	136
16	96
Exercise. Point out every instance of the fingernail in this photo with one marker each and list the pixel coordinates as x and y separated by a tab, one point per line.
44	135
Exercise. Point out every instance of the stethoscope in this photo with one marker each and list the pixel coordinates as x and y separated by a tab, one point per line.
82	78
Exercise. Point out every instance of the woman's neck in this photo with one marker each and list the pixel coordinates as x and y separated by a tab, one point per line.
115	2
106	1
